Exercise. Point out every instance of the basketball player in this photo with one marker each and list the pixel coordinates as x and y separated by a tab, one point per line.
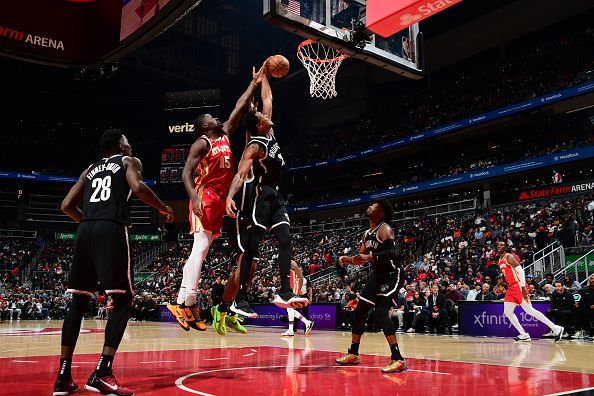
517	295
300	288
210	157
378	246
102	253
262	155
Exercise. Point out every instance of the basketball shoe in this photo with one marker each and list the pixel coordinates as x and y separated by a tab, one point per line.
242	307
290	300
218	320
175	310
192	317
348	359
308	327
522	337
234	321
395	366
107	385
64	387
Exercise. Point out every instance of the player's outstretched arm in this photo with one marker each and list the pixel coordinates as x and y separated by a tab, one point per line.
198	150
73	198
266	93
230	125
141	190
252	151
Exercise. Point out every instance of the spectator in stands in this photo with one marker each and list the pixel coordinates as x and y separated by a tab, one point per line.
547	291
485	294
583	313
414	312
534	293
531	282
557	178
474	292
435	316
549	279
217	291
570	283
561	306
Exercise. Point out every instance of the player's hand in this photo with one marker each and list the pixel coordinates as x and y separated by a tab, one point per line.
257	75
168	213
198	207
231	208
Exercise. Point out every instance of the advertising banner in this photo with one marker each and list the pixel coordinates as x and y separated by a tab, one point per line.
324	316
551	190
479	174
455	126
50	178
487	319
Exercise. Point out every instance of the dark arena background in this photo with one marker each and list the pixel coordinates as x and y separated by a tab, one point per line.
473	119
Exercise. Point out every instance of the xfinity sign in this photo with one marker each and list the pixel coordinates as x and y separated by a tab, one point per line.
183	128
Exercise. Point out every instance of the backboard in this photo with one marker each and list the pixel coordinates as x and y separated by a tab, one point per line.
341	24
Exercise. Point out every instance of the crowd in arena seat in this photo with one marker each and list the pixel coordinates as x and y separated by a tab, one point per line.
15	255
516	148
478	86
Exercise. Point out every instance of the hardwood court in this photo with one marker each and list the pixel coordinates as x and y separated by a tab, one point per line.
158	359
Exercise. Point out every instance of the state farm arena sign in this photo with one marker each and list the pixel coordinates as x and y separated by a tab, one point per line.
550	191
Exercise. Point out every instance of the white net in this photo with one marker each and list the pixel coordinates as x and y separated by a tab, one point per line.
322	64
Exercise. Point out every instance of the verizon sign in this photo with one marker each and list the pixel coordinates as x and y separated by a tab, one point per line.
550	191
386	17
182	128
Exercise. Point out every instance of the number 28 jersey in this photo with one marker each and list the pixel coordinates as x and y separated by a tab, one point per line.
107	193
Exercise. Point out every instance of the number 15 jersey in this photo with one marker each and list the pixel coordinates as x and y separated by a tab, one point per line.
107	193
215	170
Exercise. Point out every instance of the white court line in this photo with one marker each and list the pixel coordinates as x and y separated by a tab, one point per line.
253	350
216	359
249	354
571	391
180	381
24	361
159	361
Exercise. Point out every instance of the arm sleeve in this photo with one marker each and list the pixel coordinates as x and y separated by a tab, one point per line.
521	275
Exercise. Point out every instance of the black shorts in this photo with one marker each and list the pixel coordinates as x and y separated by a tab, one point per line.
269	210
384	285
101	255
238	232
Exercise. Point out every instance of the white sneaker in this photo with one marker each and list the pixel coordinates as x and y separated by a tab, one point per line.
411	330
578	334
288	333
549	334
523	337
559	333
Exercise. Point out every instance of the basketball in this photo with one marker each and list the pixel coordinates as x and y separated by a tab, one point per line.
278	66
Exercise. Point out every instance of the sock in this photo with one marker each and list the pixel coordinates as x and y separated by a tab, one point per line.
181	296
291	326
395	352
223	307
64	373
104	365
354	349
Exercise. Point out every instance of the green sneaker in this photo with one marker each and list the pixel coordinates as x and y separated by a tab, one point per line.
234	321
218	320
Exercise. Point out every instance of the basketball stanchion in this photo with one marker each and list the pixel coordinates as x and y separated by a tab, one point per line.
322	63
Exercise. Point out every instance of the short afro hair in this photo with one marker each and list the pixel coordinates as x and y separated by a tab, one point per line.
250	121
387	209
110	139
199	121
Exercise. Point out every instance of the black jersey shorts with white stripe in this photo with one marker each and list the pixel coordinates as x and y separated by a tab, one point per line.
101	255
269	210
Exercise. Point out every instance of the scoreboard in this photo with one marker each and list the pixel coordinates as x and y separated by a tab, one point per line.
172	163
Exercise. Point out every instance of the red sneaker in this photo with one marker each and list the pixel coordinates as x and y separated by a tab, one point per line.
107	385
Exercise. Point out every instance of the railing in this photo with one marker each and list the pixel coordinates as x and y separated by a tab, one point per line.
144	259
581	268
550	259
436	210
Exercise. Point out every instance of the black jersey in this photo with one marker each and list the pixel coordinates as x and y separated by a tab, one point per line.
373	245
268	170
107	192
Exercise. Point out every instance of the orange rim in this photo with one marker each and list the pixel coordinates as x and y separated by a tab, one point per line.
318	60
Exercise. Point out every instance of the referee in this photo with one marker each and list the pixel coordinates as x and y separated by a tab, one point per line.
102	254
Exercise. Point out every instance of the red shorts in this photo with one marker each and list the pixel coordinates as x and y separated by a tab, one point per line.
514	294
212	216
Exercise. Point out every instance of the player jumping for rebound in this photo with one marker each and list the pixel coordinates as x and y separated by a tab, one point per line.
262	156
385	279
102	254
210	157
517	295
300	288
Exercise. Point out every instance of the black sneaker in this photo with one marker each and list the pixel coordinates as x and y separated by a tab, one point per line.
290	300
107	385
242	307
64	387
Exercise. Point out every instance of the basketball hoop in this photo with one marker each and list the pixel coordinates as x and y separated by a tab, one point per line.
322	64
